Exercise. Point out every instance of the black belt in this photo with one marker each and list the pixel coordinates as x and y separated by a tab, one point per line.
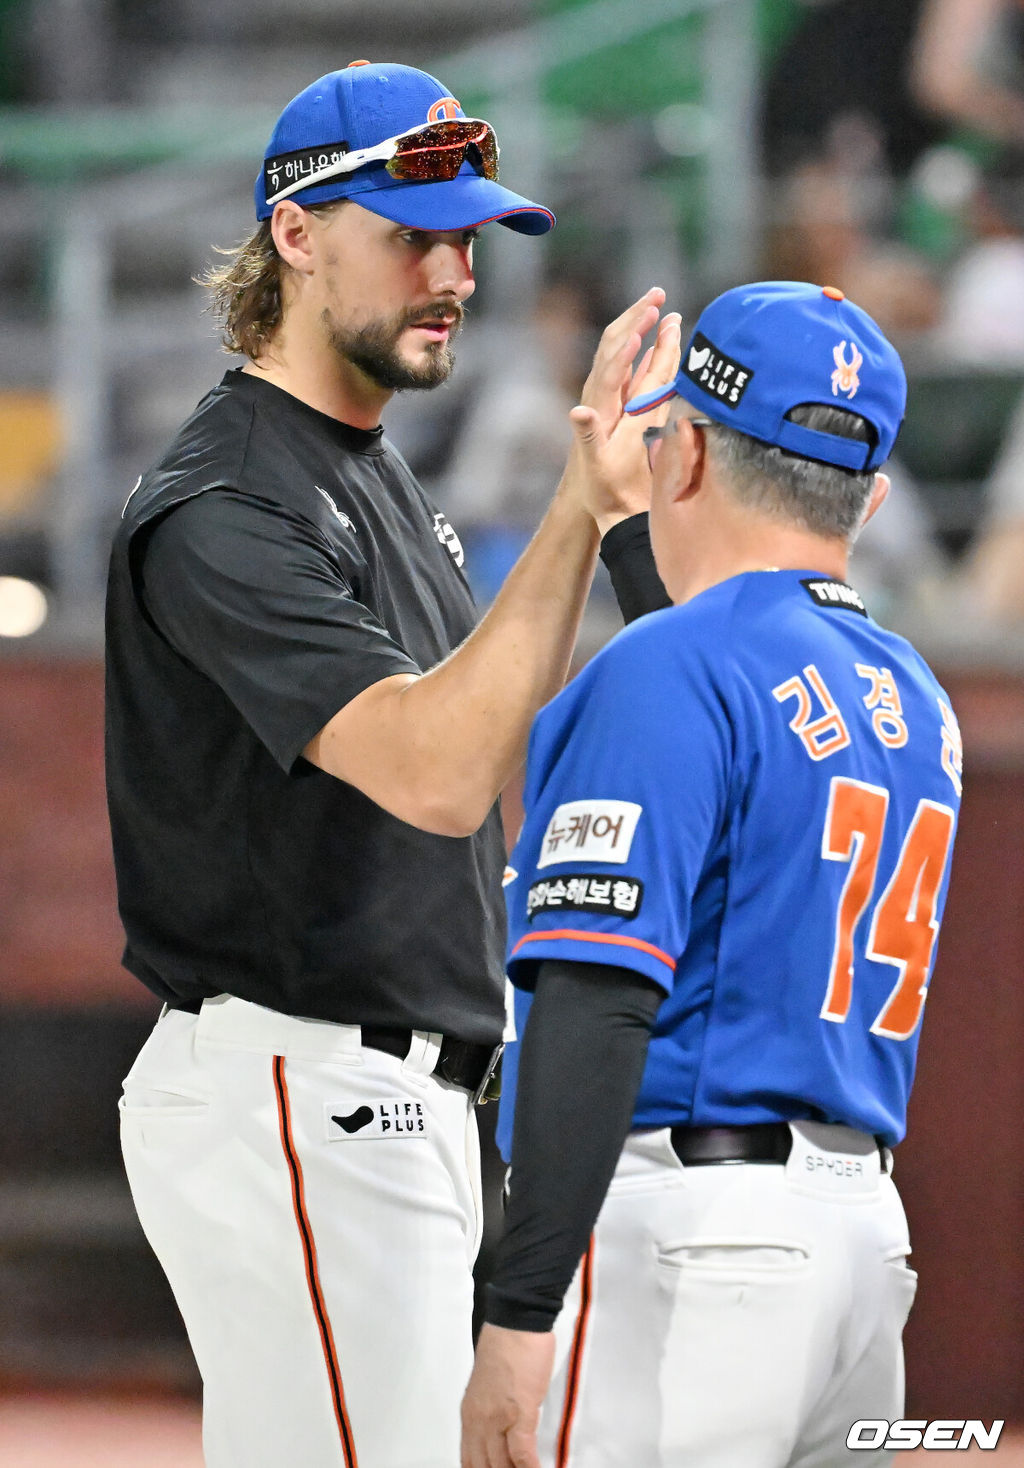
702	1146
459	1062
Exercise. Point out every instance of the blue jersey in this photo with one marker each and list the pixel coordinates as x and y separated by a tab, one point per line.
750	799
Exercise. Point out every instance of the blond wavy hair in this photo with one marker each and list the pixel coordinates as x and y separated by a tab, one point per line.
245	291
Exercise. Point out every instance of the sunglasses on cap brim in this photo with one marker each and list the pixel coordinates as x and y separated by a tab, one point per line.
433	153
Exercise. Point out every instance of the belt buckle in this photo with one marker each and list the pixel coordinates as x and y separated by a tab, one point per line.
489	1088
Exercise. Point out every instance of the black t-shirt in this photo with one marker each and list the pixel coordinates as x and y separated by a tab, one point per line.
273	565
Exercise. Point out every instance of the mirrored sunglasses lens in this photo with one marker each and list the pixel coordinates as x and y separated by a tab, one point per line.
435	154
487	148
434	165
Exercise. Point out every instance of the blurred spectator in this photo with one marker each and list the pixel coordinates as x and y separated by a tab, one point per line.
968	65
829	228
840	134
898	563
982	319
846	59
968	68
992	587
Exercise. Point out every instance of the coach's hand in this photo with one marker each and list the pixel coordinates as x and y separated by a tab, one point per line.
607	464
501	1408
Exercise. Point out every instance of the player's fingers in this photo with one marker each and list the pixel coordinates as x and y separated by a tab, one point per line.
644	310
494	1451
620	340
629	385
611	371
522	1448
661	364
483	1448
609	382
587	428
497	1454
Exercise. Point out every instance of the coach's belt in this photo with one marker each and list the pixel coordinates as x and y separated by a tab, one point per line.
772	1141
460	1062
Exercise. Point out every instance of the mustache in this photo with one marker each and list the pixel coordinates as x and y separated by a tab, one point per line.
436	314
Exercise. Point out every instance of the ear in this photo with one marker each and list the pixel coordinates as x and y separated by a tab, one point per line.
292	228
688	465
878	494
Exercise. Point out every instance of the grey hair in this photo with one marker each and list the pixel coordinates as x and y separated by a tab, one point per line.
822	498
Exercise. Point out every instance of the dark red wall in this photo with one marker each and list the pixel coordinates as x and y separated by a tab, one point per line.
60	940
961	1169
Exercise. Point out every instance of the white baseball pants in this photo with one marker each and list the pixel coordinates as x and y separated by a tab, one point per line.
316	1208
740	1315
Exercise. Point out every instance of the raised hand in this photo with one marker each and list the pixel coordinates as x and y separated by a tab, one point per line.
607	465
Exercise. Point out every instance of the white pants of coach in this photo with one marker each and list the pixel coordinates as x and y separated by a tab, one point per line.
316	1207
740	1315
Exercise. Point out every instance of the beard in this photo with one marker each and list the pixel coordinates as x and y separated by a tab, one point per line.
374	348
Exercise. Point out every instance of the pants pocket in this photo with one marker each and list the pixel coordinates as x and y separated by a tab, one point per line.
153	1104
904	1281
733	1258
166	1080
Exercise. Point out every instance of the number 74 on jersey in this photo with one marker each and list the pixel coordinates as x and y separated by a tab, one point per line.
904	919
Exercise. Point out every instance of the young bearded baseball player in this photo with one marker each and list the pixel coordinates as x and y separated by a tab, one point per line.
724	904
306	740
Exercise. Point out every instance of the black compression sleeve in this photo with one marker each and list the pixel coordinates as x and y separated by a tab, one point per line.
626	551
580	1066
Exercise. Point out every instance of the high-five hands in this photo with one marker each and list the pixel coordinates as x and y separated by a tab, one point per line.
607	465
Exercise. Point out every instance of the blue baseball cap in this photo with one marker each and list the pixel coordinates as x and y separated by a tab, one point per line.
364	105
760	350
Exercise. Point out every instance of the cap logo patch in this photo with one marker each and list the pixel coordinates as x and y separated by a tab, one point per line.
713	372
844	378
444	110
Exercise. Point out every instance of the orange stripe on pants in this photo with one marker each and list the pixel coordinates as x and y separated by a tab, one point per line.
316	1294
579	1339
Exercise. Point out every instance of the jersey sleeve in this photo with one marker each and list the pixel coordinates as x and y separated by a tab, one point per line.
626	791
252	597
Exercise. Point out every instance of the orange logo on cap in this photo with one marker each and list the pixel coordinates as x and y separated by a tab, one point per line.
844	378
444	109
